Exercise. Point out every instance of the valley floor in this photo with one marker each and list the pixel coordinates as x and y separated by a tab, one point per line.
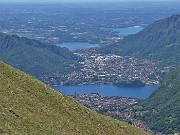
108	69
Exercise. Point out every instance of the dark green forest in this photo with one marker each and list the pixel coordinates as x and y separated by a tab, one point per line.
34	57
161	110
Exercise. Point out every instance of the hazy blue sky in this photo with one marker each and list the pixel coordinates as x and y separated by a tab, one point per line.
40	1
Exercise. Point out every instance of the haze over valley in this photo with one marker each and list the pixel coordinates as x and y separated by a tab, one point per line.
120	59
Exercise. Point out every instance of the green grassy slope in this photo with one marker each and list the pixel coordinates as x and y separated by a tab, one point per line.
160	40
161	111
35	57
27	106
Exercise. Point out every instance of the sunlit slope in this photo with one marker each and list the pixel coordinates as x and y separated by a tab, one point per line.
27	106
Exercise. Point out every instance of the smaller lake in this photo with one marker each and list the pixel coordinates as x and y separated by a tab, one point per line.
108	90
77	45
128	30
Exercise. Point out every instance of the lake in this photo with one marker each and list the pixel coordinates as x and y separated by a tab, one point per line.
77	45
108	90
128	30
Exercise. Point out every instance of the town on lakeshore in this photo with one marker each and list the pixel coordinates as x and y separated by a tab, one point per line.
108	69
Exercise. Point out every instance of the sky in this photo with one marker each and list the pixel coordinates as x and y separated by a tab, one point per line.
53	1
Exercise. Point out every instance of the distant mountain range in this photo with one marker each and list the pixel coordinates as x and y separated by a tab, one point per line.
161	111
27	106
159	41
35	57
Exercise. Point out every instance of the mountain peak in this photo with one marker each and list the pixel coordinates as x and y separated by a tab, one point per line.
160	41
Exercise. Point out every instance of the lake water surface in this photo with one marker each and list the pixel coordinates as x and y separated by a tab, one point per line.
108	90
77	45
128	30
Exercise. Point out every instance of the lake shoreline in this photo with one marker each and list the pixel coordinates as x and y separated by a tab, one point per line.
127	30
104	84
74	46
108	90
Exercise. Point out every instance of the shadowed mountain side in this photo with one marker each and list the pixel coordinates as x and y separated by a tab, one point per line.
161	110
160	41
35	57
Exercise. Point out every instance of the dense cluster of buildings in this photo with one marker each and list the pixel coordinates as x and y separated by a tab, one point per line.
108	69
104	103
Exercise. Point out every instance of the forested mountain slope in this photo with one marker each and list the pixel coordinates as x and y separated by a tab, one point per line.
159	41
161	110
35	57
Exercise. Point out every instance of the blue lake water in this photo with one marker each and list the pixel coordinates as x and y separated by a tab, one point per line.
108	90
128	30
77	45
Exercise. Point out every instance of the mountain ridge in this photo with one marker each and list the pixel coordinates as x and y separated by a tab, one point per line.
35	57
152	42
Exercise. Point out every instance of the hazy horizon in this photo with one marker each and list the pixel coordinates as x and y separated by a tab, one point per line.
82	1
